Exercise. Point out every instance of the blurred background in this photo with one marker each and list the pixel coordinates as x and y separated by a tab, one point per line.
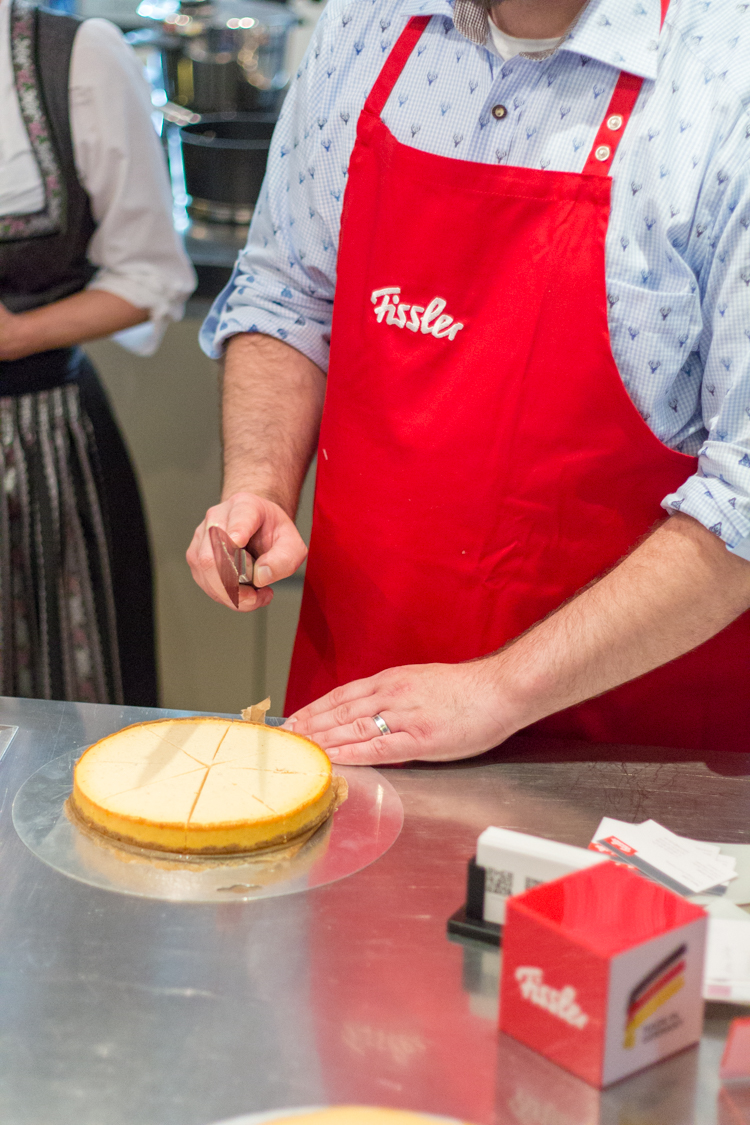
218	71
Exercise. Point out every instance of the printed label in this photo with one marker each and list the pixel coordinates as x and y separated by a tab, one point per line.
498	882
620	845
652	992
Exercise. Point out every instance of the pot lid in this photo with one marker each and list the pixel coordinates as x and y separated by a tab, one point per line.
193	16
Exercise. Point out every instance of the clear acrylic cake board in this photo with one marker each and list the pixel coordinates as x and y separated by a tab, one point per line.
359	832
7	734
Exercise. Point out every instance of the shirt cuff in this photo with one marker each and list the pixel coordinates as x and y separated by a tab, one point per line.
164	307
715	504
742	549
271	318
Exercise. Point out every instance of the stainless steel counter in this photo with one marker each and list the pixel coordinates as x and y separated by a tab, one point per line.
123	1011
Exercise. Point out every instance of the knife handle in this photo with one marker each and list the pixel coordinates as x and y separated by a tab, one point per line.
244	561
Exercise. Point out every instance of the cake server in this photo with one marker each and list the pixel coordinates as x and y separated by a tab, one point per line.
234	564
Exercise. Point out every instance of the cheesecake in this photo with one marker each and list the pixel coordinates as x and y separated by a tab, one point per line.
204	786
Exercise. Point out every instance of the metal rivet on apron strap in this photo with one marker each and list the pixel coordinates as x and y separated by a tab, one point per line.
602	153
614	122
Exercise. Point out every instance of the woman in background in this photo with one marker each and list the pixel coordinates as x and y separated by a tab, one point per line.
87	249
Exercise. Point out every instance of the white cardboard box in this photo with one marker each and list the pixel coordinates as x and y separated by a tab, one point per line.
515	862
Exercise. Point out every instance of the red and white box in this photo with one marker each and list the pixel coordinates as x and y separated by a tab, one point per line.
602	972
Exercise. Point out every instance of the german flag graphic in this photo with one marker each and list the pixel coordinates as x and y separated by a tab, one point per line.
654	990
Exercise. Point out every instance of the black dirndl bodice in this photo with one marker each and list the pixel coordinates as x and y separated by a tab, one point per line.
76	618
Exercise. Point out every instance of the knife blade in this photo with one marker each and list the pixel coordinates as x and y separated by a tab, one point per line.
234	564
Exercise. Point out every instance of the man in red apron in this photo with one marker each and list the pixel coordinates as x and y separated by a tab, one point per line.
471	571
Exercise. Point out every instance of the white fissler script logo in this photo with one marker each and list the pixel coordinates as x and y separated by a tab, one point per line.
432	321
560	1002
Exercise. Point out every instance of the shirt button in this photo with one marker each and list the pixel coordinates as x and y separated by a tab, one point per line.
499	112
602	153
614	122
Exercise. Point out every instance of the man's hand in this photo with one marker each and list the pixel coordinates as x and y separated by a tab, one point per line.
678	588
435	711
265	529
272	400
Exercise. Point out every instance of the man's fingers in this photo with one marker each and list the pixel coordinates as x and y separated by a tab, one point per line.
386	749
347	693
347	716
360	730
285	555
254	599
241	517
247	519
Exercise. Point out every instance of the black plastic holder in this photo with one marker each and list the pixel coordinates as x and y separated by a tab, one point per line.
468	921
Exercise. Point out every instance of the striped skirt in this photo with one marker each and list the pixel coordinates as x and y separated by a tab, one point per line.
70	606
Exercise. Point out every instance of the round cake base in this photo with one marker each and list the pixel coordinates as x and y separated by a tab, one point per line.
363	829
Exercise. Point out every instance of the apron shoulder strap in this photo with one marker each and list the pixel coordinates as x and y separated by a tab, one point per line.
395	63
624	97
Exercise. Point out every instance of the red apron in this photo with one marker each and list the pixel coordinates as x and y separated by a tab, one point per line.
480	459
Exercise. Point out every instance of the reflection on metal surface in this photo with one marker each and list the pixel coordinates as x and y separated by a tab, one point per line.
378	806
734	1104
399	1047
278	1114
480	977
356	835
533	1091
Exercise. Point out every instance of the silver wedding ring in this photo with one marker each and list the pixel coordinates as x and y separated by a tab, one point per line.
381	724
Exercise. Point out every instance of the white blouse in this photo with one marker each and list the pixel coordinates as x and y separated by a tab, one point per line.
119	159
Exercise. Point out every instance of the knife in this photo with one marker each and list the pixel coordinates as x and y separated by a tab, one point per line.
234	564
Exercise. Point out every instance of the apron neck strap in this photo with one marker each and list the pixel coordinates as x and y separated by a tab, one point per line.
395	63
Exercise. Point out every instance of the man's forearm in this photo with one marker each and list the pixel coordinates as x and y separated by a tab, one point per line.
677	589
271	408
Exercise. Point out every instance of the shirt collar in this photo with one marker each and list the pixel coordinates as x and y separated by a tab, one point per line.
607	30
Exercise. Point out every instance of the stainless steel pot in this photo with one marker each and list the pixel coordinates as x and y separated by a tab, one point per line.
221	56
224	156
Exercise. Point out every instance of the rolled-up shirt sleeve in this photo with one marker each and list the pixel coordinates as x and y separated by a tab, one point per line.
718	494
283	282
138	254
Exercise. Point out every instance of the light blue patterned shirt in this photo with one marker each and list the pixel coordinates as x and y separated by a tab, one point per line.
678	244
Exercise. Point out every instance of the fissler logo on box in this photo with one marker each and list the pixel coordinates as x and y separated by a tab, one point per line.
560	1002
653	991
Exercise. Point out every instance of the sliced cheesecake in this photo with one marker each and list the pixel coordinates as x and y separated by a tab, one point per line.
203	785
